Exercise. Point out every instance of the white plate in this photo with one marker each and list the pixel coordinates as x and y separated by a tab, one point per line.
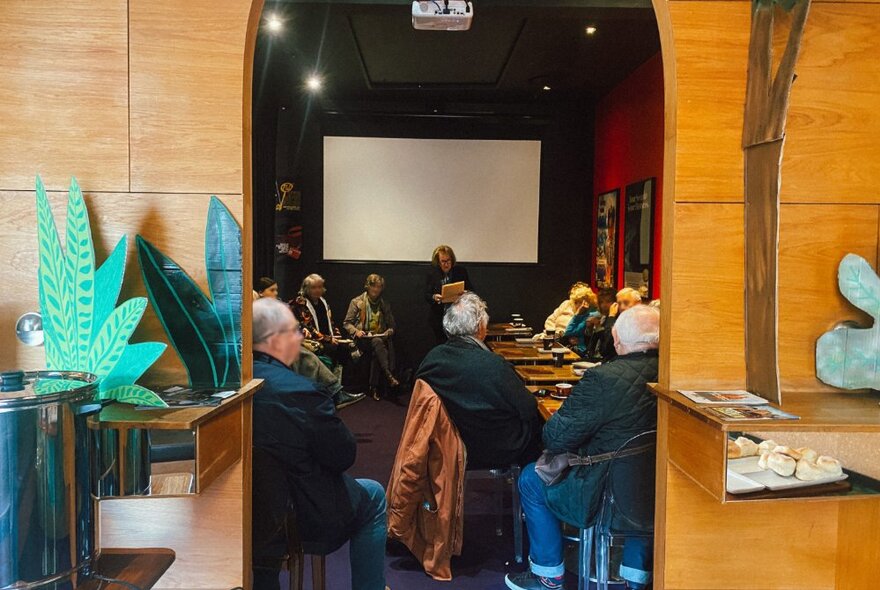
744	465
740	484
774	481
584	365
557	396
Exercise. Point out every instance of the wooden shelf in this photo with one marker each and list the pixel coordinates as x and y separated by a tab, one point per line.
141	567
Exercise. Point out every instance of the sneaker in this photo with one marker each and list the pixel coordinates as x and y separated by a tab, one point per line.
529	581
343	399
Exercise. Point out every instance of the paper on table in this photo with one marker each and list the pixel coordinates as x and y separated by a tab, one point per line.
724	398
451	291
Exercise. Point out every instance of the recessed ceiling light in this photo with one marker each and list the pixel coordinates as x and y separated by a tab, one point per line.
274	23
313	83
545	88
590	30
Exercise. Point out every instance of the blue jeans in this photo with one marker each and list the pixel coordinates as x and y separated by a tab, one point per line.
367	544
545	537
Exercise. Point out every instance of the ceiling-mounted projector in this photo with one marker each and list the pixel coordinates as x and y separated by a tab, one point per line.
442	15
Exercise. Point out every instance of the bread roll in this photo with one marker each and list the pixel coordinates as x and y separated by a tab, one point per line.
808	471
788	451
762	462
767	446
747	445
808	454
733	450
781	464
829	465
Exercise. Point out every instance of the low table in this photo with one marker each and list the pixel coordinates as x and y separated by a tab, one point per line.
546	374
506	331
530	355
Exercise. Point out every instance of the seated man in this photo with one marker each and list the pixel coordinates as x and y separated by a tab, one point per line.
610	405
495	414
295	422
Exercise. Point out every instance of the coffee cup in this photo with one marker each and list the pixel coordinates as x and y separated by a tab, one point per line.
558	358
547	343
563	389
550	333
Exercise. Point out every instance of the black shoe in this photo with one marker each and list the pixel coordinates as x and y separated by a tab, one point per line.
343	399
528	581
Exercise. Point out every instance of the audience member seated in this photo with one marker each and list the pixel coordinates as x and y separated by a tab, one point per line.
575	335
313	313
558	320
294	421
495	414
626	298
265	287
310	366
370	322
444	270
600	343
609	405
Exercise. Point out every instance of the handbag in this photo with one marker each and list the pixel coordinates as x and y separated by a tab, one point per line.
552	468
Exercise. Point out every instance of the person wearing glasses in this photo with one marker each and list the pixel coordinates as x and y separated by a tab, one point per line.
444	270
295	423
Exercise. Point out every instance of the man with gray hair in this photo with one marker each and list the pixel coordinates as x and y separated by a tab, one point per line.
609	406
295	423
494	413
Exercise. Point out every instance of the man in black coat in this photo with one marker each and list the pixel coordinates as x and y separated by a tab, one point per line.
494	413
307	450
444	271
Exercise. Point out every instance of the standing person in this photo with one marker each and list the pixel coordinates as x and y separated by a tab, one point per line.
295	423
370	322
443	271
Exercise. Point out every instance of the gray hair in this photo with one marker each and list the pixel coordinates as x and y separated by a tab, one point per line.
309	281
466	316
638	328
270	316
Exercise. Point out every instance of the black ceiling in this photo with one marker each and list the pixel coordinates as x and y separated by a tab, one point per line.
369	51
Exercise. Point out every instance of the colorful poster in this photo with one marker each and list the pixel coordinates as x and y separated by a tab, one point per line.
638	236
606	239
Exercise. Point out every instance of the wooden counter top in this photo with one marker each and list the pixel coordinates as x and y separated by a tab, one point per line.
818	411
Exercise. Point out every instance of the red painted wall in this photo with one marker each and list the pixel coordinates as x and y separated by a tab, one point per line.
629	148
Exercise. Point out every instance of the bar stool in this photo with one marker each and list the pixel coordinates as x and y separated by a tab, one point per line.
511	475
627	508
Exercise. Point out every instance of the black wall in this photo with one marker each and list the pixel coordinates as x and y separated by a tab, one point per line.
295	131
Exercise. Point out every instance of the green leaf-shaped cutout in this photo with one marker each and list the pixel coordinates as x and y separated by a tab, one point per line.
136	359
860	284
108	347
189	318
80	272
47	386
108	283
135	395
223	263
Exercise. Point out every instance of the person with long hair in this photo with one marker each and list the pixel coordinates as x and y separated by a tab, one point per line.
444	270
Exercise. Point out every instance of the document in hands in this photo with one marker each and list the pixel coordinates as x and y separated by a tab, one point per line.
451	291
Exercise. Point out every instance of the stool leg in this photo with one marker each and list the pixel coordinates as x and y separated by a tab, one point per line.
586	553
603	540
499	509
517	514
318	572
295	568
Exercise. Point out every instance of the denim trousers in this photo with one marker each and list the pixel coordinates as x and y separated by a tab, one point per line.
545	537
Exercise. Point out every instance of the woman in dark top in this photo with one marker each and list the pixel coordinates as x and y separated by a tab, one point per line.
443	271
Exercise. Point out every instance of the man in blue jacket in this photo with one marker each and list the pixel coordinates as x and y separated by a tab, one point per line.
295	423
610	405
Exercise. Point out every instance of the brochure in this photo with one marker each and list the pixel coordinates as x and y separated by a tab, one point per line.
178	396
736	413
724	398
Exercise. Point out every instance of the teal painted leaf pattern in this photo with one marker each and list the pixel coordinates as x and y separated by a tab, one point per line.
223	262
47	386
860	284
108	347
80	270
135	360
108	283
134	394
55	304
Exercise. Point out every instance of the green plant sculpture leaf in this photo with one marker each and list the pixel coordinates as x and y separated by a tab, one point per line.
136	359
134	394
109	279
223	262
80	271
112	338
188	316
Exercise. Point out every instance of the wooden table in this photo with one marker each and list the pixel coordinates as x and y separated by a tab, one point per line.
141	567
546	374
530	355
505	331
547	406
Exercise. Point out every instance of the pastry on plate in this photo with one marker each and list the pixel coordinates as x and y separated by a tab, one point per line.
767	446
734	451
829	465
787	451
747	446
808	454
808	471
781	464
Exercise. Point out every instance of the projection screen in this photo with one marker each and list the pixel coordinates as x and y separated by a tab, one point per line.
395	199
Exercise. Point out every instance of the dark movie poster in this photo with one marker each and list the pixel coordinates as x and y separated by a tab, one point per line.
638	236
288	219
606	239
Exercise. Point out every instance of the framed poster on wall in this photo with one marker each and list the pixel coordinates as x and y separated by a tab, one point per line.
607	206
638	236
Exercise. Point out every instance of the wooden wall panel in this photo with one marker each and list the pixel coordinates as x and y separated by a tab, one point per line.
187	79
64	93
813	240
858	563
711	51
706	340
175	224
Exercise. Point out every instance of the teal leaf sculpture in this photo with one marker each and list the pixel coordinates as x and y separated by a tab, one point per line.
204	331
849	358
83	328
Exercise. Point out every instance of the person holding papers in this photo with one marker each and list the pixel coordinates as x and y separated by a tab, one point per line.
444	272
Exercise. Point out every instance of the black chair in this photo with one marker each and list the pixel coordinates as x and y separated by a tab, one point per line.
627	508
275	539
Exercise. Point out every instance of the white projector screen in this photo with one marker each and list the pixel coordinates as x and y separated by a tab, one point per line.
395	199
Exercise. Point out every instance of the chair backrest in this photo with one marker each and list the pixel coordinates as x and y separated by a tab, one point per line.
628	497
